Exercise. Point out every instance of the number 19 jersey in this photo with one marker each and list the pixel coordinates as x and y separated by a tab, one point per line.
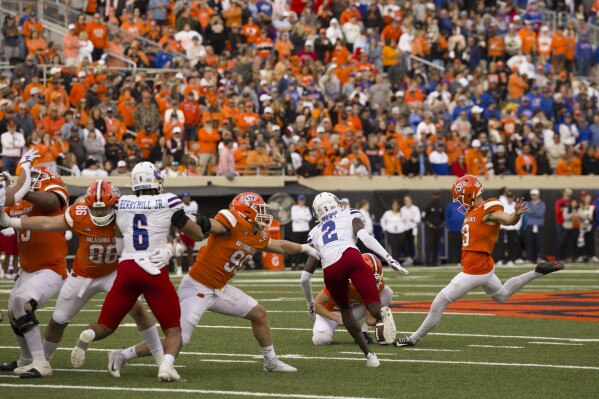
145	222
332	236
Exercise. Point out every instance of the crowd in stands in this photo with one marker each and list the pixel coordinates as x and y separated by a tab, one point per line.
323	87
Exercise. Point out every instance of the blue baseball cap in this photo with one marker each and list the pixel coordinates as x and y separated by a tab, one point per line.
301	197
185	194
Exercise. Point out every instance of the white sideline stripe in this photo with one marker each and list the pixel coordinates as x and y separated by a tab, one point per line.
431	350
555	343
166	390
131	325
497	346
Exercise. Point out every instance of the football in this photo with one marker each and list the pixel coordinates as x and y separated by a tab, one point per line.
379	333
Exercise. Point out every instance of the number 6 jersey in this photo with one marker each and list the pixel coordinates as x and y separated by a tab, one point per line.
332	236
224	255
97	254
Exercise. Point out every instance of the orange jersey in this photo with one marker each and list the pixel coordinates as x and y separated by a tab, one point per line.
224	255
42	250
479	237
97	255
354	297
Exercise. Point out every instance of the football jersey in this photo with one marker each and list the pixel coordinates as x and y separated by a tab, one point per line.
145	222
40	250
354	296
224	255
479	237
97	255
333	235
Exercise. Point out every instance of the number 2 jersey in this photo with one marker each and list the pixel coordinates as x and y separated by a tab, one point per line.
479	237
145	222
224	255
332	236
97	255
40	250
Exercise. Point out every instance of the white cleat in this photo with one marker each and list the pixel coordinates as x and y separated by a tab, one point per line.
22	365
278	366
372	360
37	369
167	373
116	361
78	353
390	331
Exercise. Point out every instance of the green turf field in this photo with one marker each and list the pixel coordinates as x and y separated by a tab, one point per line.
469	355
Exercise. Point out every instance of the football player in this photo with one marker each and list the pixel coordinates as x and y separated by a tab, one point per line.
480	229
94	267
143	220
335	238
43	268
328	317
235	236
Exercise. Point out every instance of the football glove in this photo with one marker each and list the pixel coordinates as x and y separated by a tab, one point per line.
8	232
161	257
396	266
29	157
311	311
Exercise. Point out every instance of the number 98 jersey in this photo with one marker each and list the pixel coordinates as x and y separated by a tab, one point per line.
97	255
332	236
145	222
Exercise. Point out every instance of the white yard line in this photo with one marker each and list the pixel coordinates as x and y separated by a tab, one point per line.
555	343
171	391
497	346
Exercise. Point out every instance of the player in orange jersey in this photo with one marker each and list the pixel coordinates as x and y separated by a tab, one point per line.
43	269
235	236
94	267
328	316
480	229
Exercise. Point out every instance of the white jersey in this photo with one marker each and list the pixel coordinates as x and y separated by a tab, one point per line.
145	222
190	209
333	235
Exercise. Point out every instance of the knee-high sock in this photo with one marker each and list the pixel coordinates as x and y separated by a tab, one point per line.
152	339
49	349
514	284
433	317
25	352
34	341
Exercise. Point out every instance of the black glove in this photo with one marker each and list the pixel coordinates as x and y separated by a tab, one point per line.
204	223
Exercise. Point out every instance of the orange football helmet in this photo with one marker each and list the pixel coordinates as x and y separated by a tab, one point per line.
42	175
101	198
252	207
464	191
376	266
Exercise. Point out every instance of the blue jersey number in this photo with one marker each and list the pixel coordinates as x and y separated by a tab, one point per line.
141	240
329	232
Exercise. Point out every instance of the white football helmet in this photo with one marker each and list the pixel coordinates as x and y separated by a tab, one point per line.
146	176
325	204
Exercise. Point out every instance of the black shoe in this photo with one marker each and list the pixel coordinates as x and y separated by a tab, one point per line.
368	338
10	366
404	342
32	373
549	267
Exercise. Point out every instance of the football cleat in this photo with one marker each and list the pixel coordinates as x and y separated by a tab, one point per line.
372	360
37	369
390	331
78	353
167	373
368	338
278	366
549	267
9	366
404	342
116	361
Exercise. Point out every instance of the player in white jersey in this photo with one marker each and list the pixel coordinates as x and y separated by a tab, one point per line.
334	237
190	207
143	221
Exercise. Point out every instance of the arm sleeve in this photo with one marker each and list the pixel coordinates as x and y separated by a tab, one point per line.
25	188
306	280
372	244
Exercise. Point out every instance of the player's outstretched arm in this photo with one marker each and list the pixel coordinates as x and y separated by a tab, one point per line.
36	223
509	219
19	190
289	248
372	244
306	282
321	300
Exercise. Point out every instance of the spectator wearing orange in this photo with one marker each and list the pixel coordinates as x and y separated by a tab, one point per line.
35	83
348	13
52	123
570	165
264	46
49	149
98	34
357	153
517	86
526	164
203	14
544	42
475	162
240	154
209	138
421	46
495	45
529	38
126	108
145	140
251	31
233	14
559	44
391	164
70	45
35	43
259	158
389	55
78	90
283	46
247	117
192	113
32	24
392	31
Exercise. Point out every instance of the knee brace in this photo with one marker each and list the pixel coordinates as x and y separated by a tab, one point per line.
321	339
28	321
13	324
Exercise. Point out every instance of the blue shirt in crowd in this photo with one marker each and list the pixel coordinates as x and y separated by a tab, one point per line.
453	218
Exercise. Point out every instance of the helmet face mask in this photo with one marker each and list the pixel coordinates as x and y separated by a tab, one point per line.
252	207
39	174
101	199
375	266
465	191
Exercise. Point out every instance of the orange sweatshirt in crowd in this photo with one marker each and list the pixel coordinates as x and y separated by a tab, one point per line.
475	163
97	34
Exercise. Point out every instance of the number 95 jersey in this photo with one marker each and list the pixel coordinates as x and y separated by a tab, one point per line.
334	235
97	255
224	255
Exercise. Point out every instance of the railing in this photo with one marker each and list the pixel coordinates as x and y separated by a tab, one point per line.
414	58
